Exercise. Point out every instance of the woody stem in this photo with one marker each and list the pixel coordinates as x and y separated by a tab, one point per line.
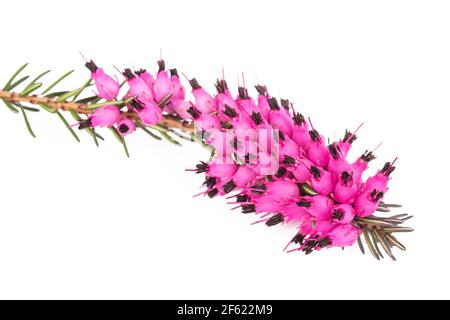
168	121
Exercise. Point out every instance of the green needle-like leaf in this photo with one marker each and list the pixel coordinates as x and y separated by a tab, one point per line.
87	100
40	76
90	131
57	81
30	88
10	106
121	140
84	86
31	109
47	108
151	134
69	95
25	118
108	103
67	125
17	83
10	81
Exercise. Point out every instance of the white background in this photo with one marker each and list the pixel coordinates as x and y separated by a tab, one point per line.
82	222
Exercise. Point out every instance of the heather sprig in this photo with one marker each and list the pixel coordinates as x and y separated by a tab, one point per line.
265	155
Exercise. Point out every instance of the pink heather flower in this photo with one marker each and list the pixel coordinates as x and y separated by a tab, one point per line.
318	153
148	111
106	116
146	76
203	100
162	85
290	148
367	203
267	204
303	173
283	191
207	122
295	213
318	206
244	176
278	118
346	189
343	213
361	165
322	181
337	164
126	126
344	235
107	87
177	90
300	132
222	170
138	87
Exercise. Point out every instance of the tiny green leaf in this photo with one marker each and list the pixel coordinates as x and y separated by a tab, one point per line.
17	83
25	118
121	140
10	106
84	86
47	108
69	95
10	81
57	81
151	134
67	125
30	88
40	76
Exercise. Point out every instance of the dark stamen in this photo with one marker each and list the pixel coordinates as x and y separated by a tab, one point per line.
349	137
91	66
85	124
194	84
243	93
248	208
210	182
161	65
367	156
289	161
229	186
128	74
338	214
298	118
242	198
387	169
261	90
221	86
193	112
304	203
136	105
213	193
202	167
256	117
277	219
140	72
298	239
273	104
346	177
285	103
229	111
123	128
259	188
333	151
281	172
325	242
315	136
174	72
315	172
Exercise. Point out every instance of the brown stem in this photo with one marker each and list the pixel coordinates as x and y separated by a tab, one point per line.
168	121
